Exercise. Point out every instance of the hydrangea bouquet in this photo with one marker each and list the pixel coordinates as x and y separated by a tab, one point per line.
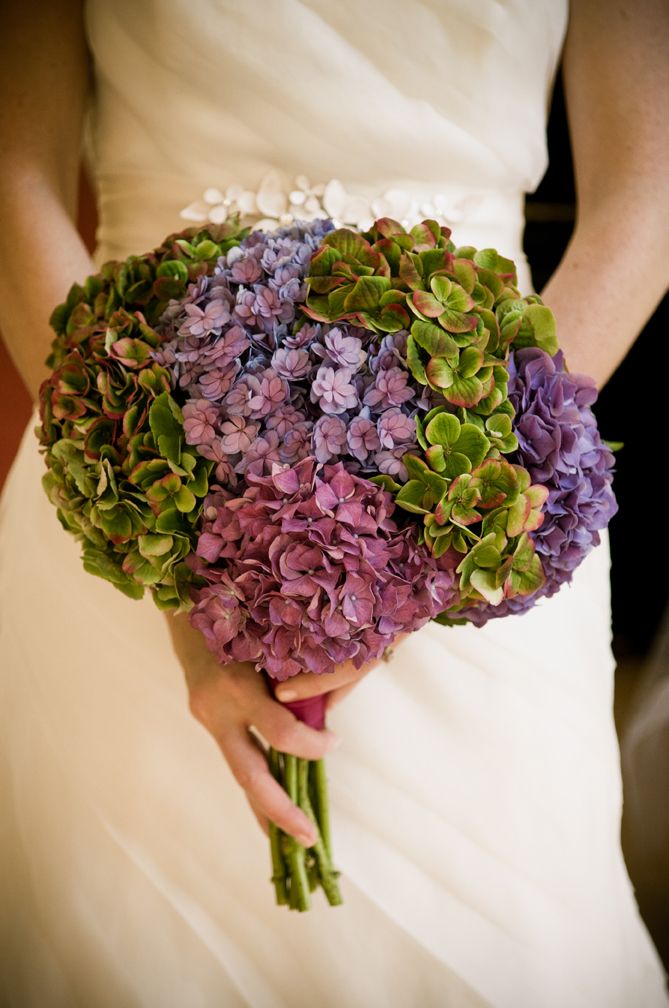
314	440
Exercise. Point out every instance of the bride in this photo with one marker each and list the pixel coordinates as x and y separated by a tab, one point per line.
476	794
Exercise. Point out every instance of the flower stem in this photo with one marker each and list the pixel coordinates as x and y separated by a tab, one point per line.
299	883
296	870
322	807
278	862
328	878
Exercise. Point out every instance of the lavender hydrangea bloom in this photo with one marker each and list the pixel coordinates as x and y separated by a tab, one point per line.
244	266
216	382
202	321
560	446
296	444
389	462
575	464
340	350
396	428
390	388
362	436
284	592
329	438
228	348
223	474
333	390
284	419
306	336
238	435
199	421
391	352
290	379
291	364
262	450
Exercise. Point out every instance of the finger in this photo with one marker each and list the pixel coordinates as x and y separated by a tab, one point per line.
252	773
282	730
261	818
309	684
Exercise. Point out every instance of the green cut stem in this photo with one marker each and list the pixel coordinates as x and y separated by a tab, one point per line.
278	863
328	877
322	809
297	871
299	883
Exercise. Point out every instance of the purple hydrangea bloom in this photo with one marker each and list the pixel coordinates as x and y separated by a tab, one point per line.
390	388
244	266
216	382
262	450
560	446
389	462
200	418
340	350
228	348
307	335
391	352
396	428
202	321
291	364
333	391
237	435
223	474
262	367
329	438
284	419
256	395
362	436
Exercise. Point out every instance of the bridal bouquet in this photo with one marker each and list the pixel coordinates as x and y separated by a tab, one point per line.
314	440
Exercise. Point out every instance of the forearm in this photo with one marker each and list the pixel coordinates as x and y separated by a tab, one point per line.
42	256
44	85
616	82
610	280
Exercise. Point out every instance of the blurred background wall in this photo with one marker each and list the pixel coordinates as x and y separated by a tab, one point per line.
628	410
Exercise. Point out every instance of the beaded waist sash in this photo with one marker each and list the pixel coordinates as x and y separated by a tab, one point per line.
274	204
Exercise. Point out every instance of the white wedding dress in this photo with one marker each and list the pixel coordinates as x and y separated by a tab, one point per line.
476	797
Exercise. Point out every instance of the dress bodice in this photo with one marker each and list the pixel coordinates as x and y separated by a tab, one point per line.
436	96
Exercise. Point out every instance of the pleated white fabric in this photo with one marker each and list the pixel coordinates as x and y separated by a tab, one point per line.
476	797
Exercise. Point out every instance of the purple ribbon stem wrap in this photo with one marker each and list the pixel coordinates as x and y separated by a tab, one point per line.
311	710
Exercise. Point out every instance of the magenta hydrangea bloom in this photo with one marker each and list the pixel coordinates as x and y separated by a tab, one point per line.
308	568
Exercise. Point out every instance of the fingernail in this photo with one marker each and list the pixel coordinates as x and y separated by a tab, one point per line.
306	839
286	695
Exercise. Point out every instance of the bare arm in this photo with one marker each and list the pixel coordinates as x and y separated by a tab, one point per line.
44	82
616	267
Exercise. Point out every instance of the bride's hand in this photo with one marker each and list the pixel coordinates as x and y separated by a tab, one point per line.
336	684
227	700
